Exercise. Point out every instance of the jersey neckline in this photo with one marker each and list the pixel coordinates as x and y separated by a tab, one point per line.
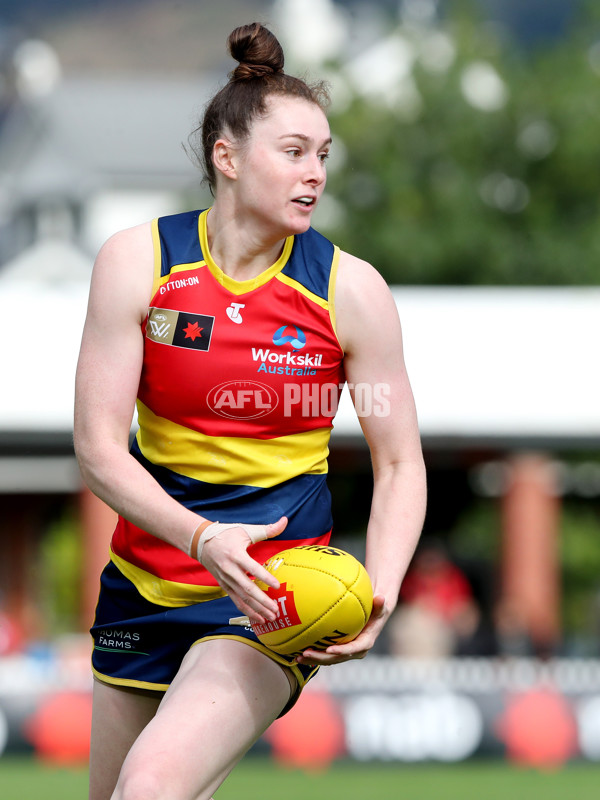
239	287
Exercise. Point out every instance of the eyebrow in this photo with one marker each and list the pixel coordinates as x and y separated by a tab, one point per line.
304	138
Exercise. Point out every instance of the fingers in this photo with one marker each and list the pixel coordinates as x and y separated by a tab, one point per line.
248	597
231	565
225	556
316	658
252	608
263	575
255	533
260	573
379	609
356	649
275	528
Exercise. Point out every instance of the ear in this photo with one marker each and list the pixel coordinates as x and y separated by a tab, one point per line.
224	160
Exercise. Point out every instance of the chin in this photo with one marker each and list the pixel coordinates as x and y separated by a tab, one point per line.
300	224
289	225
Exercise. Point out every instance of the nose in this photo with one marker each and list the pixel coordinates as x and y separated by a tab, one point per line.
315	173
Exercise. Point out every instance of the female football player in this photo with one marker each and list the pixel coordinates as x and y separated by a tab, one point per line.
222	326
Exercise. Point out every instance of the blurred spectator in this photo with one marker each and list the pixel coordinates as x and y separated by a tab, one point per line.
11	635
437	614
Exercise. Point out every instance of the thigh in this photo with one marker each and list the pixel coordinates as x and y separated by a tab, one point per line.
225	695
141	644
119	716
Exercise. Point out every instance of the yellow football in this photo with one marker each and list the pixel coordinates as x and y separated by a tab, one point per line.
325	597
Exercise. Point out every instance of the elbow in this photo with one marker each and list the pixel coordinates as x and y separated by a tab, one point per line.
92	456
100	457
85	459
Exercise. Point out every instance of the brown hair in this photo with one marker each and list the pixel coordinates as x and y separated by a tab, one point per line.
258	75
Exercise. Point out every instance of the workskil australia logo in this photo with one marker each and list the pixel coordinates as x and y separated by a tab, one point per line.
287	359
282	336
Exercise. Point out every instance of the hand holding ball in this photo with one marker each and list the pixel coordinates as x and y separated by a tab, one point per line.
325	597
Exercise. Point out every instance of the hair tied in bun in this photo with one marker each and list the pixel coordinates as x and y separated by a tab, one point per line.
245	71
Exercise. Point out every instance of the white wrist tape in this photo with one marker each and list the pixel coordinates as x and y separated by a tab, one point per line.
204	532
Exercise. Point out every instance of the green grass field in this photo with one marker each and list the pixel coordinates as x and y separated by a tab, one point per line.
258	778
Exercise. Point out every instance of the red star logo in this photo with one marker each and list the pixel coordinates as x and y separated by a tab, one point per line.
192	331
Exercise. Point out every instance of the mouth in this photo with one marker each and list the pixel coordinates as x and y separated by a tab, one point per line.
306	201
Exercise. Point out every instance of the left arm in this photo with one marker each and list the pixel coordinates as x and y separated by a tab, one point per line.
370	333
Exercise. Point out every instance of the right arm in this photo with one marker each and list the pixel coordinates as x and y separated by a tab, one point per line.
106	386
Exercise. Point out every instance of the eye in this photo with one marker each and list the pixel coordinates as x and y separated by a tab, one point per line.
294	152
323	157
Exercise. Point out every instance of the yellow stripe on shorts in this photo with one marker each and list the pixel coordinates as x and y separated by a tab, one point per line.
163	592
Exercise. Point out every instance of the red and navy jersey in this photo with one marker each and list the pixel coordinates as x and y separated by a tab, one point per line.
239	385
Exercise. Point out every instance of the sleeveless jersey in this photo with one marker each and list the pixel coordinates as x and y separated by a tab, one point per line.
239	385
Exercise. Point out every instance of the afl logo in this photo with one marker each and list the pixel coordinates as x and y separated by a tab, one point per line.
242	399
281	337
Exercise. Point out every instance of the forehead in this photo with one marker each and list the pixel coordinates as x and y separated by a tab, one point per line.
292	115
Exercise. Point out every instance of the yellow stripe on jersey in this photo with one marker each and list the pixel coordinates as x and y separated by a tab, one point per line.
331	289
158	280
231	460
164	592
181	268
303	290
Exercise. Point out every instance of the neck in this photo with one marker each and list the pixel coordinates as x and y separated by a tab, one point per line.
238	247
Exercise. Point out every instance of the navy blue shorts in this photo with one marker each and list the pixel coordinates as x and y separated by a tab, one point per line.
141	645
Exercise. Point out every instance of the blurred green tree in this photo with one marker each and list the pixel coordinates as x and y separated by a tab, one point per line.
580	561
475	162
59	587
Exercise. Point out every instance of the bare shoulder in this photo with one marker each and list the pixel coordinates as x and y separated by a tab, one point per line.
361	295
135	241
124	269
356	276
